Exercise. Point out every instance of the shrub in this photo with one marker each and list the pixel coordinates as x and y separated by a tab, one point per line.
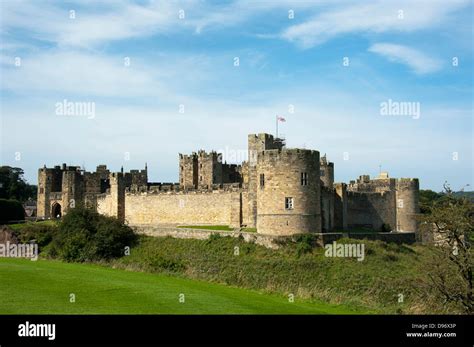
213	237
85	235
160	263
41	233
11	210
305	243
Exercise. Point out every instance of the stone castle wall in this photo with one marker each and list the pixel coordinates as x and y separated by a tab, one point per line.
371	210
192	208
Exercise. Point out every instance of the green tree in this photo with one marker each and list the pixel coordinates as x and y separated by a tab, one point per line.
85	235
451	221
11	210
427	199
13	186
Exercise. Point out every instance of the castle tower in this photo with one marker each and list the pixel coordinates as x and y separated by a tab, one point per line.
288	192
72	187
188	170
327	172
209	168
340	206
117	193
45	179
407	200
256	144
50	197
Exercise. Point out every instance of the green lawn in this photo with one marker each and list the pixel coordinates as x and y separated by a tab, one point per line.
44	287
208	227
217	227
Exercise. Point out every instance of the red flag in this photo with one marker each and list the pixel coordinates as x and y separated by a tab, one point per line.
281	119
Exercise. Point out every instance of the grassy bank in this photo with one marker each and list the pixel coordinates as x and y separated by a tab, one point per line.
207	227
389	273
45	286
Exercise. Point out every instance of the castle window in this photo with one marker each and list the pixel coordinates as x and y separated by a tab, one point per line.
321	173
200	178
262	180
200	166
289	203
304	178
41	190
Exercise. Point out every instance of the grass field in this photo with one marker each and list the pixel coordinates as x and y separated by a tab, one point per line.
217	227
44	287
207	227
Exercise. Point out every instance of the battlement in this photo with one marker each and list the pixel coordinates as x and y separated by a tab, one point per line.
357	194
138	172
187	157
288	154
263	142
381	183
324	162
174	188
413	182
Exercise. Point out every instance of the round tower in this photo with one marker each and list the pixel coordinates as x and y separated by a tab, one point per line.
407	197
288	192
327	172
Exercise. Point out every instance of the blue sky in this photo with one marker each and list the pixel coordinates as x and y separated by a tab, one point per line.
397	50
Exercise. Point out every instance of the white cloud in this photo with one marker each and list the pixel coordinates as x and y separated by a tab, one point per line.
162	78
416	60
117	20
379	16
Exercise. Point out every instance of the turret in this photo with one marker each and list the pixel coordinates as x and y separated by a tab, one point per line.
407	200
288	192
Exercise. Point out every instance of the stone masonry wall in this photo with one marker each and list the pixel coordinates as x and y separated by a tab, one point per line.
371	210
191	208
282	171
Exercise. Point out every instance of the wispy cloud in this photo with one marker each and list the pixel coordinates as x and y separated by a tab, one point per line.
117	20
378	17
416	60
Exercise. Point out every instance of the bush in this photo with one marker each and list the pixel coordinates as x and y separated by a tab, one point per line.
160	263
305	243
85	235
41	233
11	210
213	237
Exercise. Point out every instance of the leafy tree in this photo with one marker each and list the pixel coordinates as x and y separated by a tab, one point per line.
13	185
85	235
451	221
11	210
428	199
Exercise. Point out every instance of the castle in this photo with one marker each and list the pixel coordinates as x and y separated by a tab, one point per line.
278	191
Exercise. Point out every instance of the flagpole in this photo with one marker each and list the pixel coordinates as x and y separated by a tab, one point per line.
276	118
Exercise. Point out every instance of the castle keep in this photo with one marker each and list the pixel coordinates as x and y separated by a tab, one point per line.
278	191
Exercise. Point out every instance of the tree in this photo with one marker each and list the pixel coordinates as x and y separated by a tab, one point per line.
451	221
427	199
86	235
13	186
11	210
